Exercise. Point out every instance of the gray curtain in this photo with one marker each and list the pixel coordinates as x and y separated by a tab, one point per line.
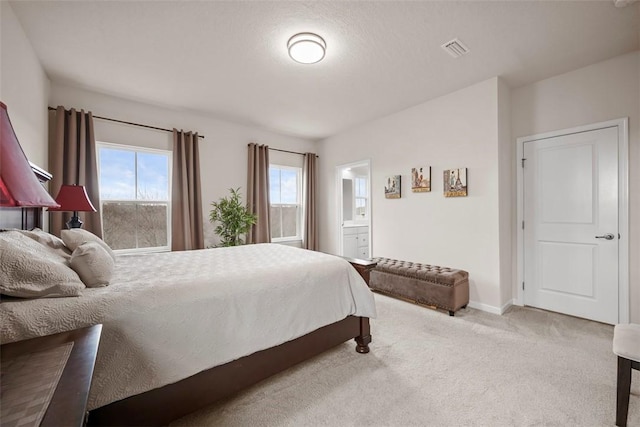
258	193
73	160
186	193
309	192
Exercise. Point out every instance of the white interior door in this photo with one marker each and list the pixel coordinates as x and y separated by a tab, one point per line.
571	224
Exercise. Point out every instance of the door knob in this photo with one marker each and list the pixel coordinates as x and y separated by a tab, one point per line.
607	236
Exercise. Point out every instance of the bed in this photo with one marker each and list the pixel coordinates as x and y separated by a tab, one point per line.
184	329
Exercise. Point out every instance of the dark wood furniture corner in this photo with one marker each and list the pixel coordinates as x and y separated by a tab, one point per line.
363	267
68	406
625	367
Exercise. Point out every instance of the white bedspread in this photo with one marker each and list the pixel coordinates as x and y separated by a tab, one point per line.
168	316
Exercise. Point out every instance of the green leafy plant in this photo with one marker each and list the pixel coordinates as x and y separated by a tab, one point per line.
234	219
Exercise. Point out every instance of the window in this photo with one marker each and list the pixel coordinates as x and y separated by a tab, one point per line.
361	199
286	208
135	197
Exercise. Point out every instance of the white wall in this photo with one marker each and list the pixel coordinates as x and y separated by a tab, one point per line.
24	87
603	91
223	152
454	131
477	128
506	154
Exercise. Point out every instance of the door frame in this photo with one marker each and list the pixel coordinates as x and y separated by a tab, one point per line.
623	207
338	174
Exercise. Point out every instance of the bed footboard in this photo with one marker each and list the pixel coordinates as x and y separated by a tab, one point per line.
168	403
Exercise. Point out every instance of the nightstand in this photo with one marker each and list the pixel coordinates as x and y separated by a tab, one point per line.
68	405
363	267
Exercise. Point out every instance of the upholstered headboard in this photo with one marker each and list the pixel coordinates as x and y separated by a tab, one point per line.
25	218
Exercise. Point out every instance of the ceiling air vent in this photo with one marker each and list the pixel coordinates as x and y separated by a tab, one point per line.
455	48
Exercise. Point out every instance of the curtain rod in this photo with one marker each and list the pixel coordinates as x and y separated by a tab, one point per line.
287	151
130	123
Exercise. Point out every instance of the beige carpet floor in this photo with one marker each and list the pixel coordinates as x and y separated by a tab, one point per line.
525	368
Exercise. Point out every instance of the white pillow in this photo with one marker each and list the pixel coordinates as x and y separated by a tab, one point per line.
28	269
77	236
93	264
54	243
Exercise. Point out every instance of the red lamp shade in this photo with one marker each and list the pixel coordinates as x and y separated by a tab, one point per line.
18	184
73	198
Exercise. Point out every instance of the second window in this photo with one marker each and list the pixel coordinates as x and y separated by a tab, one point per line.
285	183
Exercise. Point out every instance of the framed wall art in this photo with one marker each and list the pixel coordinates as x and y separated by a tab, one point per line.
392	187
421	179
455	182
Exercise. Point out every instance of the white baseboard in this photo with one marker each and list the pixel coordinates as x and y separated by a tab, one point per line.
490	308
506	306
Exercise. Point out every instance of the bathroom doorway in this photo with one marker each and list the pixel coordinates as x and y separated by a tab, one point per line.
354	209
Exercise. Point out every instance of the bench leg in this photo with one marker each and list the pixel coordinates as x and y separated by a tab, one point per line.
624	389
451	313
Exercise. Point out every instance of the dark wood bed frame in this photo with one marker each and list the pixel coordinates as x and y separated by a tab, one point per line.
165	404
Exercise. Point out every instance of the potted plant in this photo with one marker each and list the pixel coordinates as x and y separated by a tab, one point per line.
234	219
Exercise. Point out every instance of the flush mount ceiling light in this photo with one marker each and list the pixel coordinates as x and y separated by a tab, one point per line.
306	48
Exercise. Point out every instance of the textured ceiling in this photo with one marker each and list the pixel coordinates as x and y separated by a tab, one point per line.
229	58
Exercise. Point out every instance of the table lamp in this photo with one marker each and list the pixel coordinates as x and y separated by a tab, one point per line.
19	186
73	198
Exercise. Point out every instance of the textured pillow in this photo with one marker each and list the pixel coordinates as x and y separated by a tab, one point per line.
28	269
52	242
93	264
77	236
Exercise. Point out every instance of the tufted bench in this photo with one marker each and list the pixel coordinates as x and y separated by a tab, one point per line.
431	285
